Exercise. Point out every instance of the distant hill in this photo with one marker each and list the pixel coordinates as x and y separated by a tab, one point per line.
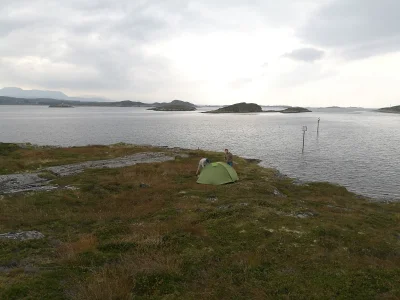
48	101
238	108
38	101
393	109
35	94
12	100
175	105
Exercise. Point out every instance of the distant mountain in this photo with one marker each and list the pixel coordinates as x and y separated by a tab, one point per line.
393	109
34	94
20	93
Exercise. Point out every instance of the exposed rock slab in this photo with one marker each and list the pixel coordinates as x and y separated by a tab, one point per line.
22	235
15	183
73	169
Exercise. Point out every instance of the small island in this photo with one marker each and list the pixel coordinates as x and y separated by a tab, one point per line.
175	105
238	108
393	109
294	110
289	110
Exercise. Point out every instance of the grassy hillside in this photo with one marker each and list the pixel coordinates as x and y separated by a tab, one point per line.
150	232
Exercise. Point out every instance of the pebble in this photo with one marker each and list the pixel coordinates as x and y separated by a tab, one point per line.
305	215
212	199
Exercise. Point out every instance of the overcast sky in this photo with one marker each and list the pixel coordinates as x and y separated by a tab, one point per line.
294	52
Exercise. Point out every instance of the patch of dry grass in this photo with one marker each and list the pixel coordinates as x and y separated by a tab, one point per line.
120	281
69	250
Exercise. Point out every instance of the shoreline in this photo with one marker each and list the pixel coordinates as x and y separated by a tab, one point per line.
296	180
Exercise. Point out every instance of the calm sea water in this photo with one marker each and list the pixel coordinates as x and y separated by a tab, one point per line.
355	148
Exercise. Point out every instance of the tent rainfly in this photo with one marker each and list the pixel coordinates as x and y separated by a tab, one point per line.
217	173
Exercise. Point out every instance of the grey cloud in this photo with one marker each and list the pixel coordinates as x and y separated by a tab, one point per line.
305	54
355	28
100	44
108	43
7	26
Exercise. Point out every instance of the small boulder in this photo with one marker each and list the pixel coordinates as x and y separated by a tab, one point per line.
212	198
144	185
305	215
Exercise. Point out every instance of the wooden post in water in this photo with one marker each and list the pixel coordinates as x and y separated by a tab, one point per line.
304	134
319	119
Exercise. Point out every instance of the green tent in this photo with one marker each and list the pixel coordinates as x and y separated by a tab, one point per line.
217	173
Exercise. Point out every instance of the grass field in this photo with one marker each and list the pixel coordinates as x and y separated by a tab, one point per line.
175	239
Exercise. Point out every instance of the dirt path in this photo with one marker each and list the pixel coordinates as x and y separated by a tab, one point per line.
15	183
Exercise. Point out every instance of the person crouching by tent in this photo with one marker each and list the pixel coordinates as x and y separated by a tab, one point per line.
202	163
228	157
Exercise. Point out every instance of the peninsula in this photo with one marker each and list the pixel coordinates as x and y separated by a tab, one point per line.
125	221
